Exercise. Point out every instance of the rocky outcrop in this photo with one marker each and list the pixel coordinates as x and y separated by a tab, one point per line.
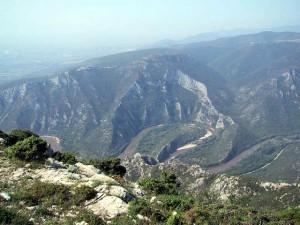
111	198
225	187
192	177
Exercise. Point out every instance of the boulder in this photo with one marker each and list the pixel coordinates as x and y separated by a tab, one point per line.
87	170
109	207
115	190
52	163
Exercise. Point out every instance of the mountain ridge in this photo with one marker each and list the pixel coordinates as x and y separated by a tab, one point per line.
243	88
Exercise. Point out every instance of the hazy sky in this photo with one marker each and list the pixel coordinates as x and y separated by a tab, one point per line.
135	21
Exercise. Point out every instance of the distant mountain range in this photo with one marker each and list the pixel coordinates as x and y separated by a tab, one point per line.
214	35
231	104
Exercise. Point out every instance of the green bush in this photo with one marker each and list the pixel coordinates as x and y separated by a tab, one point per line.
165	184
83	193
291	214
177	202
19	135
29	149
65	157
12	217
140	206
90	218
110	166
174	220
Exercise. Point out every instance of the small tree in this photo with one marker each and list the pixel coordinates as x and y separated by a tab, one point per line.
30	149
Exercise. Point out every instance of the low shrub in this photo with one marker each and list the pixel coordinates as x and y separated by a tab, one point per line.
65	157
40	193
109	166
125	220
142	207
165	184
83	193
177	202
175	220
43	211
90	218
29	149
291	214
12	217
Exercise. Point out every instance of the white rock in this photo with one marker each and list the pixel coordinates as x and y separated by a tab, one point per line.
141	217
115	190
274	186
109	207
2	141
31	208
5	195
224	187
152	199
72	168
52	163
20	172
81	223
137	191
88	170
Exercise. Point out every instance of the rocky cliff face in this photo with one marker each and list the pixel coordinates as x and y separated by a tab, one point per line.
273	106
109	106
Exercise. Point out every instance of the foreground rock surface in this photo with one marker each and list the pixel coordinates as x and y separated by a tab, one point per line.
111	198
